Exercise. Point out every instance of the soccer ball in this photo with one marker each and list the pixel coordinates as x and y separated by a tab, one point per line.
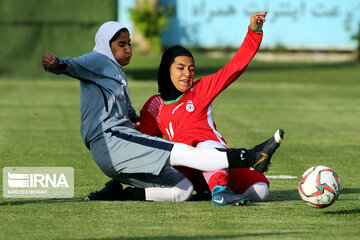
319	186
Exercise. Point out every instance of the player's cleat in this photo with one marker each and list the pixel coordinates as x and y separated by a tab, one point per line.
112	191
222	196
264	151
257	157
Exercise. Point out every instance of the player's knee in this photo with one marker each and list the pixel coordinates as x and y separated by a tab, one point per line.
258	192
182	191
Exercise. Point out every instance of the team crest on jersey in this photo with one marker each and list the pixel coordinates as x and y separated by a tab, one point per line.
190	106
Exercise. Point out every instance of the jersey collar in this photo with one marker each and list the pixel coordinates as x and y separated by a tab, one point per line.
173	101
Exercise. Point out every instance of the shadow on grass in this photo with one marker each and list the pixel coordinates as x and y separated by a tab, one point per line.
151	73
350	190
344	212
237	236
274	196
39	201
292	195
283	195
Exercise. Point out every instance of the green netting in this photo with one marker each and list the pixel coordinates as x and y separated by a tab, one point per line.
57	11
29	28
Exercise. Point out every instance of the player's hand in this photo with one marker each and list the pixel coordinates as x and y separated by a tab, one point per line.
164	137
49	61
136	124
257	20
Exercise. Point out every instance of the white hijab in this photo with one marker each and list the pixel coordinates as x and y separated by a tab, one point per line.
103	36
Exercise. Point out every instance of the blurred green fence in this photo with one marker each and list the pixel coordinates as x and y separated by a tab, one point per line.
28	28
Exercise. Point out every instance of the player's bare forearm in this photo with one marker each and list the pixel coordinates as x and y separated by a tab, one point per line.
49	61
257	20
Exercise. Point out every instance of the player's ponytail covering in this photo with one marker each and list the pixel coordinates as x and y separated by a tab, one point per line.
167	89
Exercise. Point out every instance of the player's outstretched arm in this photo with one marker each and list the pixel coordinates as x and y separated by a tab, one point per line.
257	20
49	61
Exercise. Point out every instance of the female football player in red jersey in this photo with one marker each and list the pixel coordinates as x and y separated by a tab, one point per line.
183	113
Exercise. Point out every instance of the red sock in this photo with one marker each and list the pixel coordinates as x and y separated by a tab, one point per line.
218	178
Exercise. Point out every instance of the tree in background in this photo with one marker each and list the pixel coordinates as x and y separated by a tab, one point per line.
149	19
356	37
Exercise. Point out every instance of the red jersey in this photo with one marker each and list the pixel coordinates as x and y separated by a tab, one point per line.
188	119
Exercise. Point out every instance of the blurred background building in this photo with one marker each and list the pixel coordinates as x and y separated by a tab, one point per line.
68	27
293	24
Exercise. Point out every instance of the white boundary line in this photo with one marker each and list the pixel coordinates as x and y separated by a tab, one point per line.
281	176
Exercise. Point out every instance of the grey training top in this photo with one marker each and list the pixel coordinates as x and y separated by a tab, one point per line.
104	99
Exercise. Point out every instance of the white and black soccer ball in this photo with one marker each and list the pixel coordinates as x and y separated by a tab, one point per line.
319	186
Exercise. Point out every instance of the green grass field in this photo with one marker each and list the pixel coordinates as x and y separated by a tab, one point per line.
318	105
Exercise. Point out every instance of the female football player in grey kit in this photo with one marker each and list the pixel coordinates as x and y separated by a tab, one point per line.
120	151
